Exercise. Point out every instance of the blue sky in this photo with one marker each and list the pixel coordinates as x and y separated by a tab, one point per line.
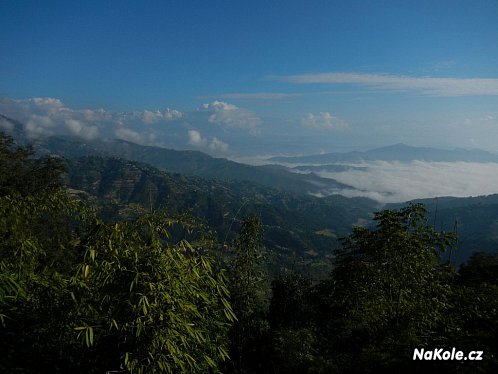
256	76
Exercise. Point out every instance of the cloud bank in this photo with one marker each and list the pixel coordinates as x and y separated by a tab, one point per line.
398	182
425	85
49	116
168	127
230	116
195	138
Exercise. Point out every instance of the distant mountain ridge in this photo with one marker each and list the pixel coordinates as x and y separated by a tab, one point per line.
396	152
296	225
193	163
186	162
13	127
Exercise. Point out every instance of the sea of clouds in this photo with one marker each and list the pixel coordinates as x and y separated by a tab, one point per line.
208	127
390	182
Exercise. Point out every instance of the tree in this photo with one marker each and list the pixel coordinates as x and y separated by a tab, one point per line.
481	268
37	262
388	292
128	300
475	310
78	293
249	298
291	323
22	173
149	305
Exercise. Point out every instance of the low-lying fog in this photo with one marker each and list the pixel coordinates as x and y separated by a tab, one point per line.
389	182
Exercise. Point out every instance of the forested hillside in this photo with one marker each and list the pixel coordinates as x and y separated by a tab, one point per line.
192	163
101	278
300	231
185	162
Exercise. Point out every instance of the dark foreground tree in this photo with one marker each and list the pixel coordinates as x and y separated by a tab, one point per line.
22	173
128	301
77	294
249	294
291	323
152	306
475	311
388	293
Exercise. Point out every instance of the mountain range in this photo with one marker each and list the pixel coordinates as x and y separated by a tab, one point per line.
192	163
397	152
301	230
185	162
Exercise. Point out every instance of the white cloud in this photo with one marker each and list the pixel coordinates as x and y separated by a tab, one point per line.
396	182
96	115
6	125
48	116
39	125
195	138
47	101
323	121
128	134
426	85
150	117
82	129
218	145
74	126
172	114
230	116
219	106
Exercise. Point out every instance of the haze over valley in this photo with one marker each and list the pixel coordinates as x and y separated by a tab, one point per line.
400	173
388	174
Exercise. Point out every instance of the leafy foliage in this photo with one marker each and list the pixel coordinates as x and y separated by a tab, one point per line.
76	292
249	297
21	173
291	321
157	306
37	254
135	302
474	310
389	289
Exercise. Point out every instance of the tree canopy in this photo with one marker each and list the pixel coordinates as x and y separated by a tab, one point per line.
78	292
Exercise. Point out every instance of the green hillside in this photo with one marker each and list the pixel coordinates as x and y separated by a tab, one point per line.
192	163
301	231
